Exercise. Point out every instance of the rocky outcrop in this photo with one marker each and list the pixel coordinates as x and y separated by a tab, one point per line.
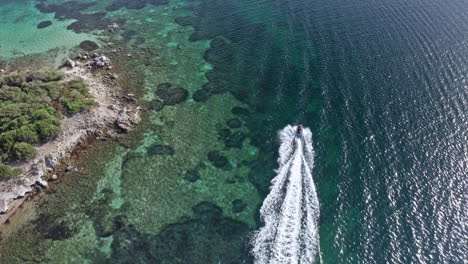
112	114
99	61
70	63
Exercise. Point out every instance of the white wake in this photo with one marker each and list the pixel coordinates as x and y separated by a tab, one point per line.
291	211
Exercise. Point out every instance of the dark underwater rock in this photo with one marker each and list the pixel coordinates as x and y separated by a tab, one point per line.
260	178
66	10
220	52
192	175
235	140
238	206
50	228
232	139
206	210
59	232
171	96
44	24
186	21
109	225
224	133
89	45
218	43
157	149
128	35
164	86
131	246
218	160
234	123
73	10
157	105
209	237
201	95
139	40
219	56
88	22
240	111
133	4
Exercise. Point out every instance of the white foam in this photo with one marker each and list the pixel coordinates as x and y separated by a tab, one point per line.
291	211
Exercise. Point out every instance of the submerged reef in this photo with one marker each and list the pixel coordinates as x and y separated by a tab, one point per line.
89	45
168	96
44	24
233	52
134	4
209	237
74	10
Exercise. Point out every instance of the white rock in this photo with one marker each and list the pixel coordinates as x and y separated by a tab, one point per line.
50	161
3	206
113	26
70	63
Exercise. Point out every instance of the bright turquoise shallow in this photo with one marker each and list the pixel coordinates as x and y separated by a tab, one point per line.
382	85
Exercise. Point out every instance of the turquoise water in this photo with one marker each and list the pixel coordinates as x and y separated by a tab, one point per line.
381	85
20	35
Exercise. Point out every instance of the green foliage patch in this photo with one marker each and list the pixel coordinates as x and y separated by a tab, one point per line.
7	172
31	106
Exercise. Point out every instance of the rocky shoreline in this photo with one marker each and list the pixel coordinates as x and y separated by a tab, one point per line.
114	113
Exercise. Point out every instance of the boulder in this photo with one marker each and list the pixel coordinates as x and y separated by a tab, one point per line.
99	61
50	161
70	63
3	205
124	124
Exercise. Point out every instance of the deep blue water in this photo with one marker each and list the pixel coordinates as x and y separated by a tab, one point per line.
382	84
383	87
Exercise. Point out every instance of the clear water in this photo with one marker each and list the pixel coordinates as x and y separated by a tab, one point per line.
382	85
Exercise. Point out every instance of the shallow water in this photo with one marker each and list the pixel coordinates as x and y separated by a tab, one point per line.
381	85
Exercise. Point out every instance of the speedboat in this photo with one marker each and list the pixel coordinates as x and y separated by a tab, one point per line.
299	130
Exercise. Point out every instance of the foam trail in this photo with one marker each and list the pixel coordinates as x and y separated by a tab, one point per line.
291	210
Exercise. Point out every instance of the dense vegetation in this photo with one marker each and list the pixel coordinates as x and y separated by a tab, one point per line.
31	105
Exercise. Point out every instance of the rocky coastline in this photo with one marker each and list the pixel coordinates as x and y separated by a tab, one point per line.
113	114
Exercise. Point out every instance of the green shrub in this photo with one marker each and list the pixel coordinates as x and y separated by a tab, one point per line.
11	93
54	89
47	129
7	141
23	151
31	105
53	76
77	84
7	172
26	134
15	79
